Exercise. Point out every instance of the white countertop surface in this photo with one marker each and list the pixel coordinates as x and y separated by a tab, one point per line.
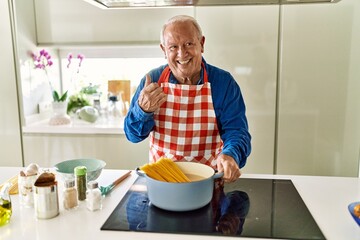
75	127
327	199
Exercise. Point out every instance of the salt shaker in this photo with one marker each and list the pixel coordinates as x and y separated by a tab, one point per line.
70	195
93	196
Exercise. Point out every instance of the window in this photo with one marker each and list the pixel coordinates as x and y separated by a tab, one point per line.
101	65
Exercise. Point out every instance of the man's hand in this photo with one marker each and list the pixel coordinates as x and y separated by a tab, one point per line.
151	96
228	165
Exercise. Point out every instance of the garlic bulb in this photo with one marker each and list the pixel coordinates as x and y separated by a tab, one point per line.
32	169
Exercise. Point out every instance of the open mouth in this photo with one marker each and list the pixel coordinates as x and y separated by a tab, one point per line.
183	62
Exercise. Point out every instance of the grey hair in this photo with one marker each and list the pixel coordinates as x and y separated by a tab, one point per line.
180	18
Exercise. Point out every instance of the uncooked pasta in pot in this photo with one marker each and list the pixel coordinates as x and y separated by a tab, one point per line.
165	170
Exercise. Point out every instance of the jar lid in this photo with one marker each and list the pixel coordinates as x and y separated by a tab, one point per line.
113	98
93	184
70	183
80	170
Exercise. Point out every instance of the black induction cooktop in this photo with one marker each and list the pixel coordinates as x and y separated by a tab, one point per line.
257	208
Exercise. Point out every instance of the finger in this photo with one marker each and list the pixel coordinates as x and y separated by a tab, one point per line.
147	80
161	101
157	91
220	167
227	175
236	173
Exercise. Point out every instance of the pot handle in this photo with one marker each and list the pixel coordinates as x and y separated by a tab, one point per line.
218	175
141	174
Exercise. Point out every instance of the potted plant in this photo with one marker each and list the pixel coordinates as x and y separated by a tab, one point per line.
43	61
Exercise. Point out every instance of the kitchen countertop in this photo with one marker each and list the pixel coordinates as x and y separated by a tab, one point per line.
327	199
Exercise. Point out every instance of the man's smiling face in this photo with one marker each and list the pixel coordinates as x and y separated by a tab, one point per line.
183	50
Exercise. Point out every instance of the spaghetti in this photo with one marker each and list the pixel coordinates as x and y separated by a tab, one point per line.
165	170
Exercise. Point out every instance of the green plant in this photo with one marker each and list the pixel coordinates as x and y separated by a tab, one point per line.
57	98
76	102
91	89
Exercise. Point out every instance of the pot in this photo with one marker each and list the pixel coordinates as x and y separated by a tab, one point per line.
183	196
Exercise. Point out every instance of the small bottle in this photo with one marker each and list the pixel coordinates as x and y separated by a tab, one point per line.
5	205
70	195
80	176
115	109
25	188
93	196
112	110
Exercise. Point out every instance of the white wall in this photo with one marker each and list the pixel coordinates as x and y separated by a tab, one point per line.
10	135
243	40
319	100
318	127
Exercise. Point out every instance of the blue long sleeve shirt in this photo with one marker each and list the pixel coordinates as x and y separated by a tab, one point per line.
229	109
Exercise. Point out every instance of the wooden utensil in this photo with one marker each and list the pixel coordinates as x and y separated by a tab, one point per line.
105	190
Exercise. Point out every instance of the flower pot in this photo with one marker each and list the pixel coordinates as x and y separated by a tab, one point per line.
60	117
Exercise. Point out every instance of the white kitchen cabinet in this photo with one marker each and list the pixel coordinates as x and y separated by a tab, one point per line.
76	21
243	40
319	100
10	134
118	153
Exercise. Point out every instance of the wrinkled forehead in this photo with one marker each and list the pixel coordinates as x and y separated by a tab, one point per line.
180	31
183	26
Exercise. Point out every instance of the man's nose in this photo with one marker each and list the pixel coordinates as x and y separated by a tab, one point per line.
182	51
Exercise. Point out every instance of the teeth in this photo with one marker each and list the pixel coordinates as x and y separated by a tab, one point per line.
183	62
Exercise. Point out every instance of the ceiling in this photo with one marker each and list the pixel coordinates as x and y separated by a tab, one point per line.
105	4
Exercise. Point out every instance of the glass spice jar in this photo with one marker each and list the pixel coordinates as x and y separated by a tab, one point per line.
70	195
93	196
25	187
80	176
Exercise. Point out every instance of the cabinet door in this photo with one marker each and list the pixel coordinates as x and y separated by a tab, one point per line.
118	153
319	127
10	138
76	21
243	41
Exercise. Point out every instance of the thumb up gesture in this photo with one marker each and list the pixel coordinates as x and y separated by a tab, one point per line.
151	97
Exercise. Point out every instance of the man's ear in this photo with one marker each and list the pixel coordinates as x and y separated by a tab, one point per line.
163	49
202	42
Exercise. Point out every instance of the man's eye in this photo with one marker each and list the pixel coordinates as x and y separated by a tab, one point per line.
172	48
